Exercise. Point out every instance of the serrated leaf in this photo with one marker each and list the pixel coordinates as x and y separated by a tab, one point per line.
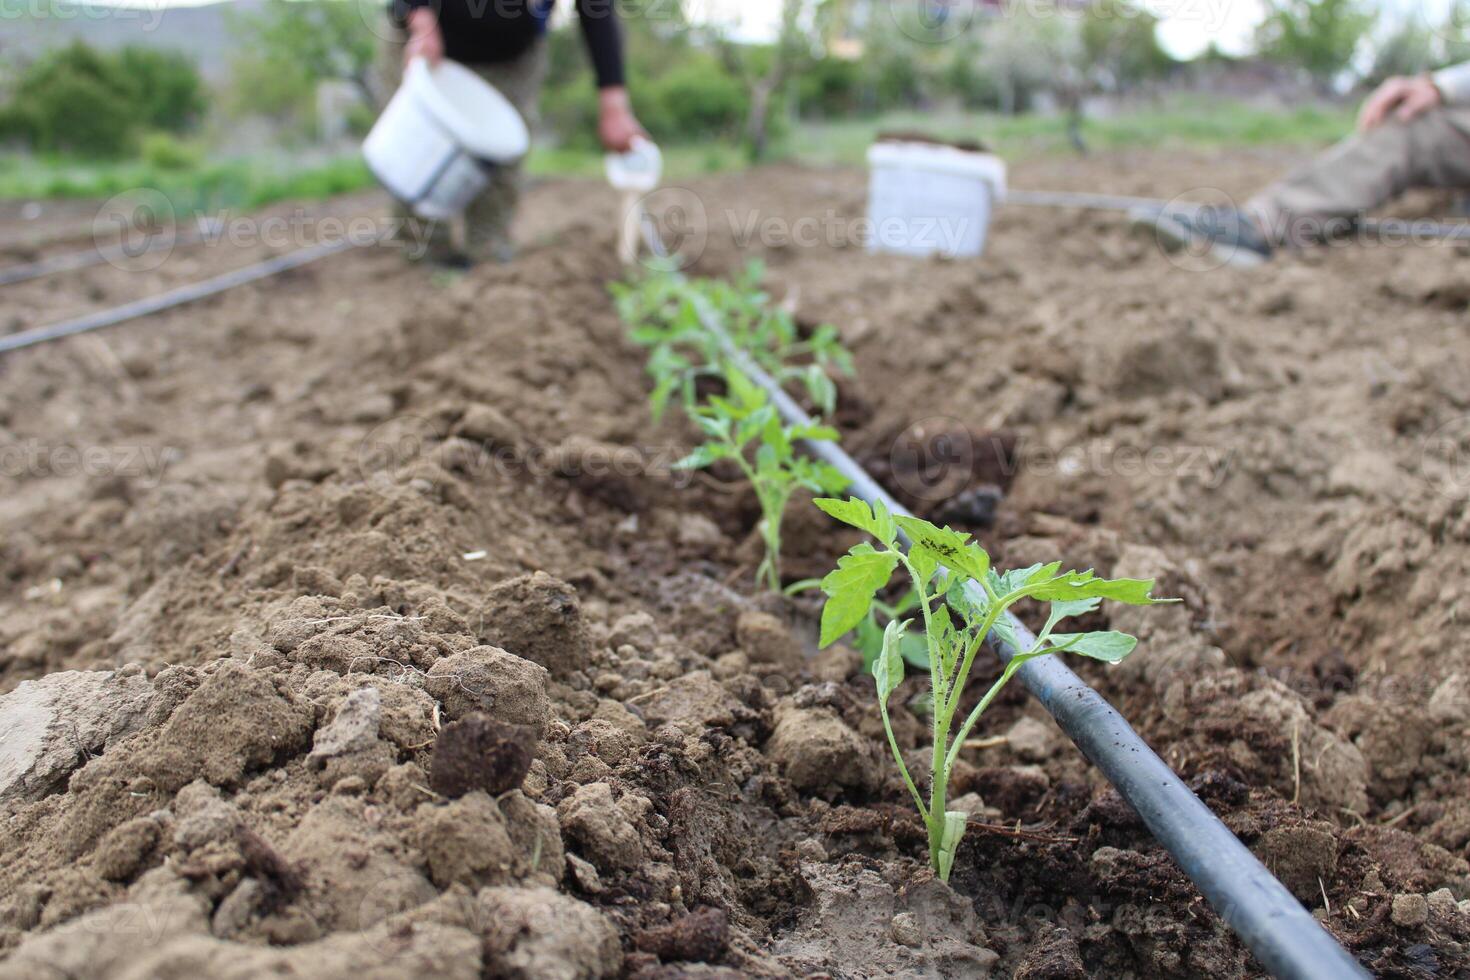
924	564
888	668
1084	585
950	548
858	514
850	588
1108	646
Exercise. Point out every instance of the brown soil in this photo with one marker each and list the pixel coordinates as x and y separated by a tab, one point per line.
369	533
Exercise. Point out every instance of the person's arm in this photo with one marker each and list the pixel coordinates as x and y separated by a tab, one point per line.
616	125
1403	98
1453	84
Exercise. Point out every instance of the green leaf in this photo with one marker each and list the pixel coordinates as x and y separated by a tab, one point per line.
942	637
1004	629
703	456
869	641
888	668
1108	646
857	513
949	841
1066	608
924	564
658	400
1085	585
820	388
950	548
915	651
773	434
714	426
814	433
850	589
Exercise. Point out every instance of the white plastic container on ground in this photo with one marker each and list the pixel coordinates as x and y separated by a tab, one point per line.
438	137
931	198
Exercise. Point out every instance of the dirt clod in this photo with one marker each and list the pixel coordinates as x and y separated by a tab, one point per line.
702	936
819	752
537	617
602	827
479	753
1410	911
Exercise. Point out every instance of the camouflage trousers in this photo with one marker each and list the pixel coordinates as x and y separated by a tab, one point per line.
1364	171
482	233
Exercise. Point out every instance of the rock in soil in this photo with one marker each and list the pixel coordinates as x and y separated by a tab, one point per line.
52	725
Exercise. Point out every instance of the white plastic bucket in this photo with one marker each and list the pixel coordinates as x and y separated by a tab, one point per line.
930	198
441	133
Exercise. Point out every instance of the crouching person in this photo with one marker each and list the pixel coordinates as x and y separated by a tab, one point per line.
505	44
1412	133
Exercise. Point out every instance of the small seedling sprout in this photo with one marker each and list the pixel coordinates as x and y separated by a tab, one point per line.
957	617
745	428
668	313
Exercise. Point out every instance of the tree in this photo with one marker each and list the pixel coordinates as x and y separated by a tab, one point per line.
1121	45
766	69
80	100
289	48
1319	36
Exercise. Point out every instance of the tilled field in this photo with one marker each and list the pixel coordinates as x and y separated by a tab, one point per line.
266	558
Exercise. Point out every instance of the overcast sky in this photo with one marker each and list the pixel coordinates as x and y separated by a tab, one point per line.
1187	26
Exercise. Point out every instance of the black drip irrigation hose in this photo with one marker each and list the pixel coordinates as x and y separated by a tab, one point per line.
88	257
1424	230
174	297
1263	913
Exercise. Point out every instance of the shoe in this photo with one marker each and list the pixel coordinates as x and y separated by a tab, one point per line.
1226	234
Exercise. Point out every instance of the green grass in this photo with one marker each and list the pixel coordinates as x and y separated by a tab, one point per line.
1177	123
207	187
1180	123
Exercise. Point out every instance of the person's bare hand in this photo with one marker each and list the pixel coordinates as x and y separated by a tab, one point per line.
1406	99
425	39
617	127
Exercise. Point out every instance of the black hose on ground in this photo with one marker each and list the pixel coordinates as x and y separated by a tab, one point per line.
174	297
1281	933
88	257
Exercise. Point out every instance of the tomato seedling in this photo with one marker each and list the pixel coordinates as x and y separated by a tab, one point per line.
666	314
957	617
745	428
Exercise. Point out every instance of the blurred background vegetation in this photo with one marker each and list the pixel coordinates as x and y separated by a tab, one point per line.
246	102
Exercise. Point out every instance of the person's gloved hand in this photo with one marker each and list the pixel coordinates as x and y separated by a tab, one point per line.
617	127
425	40
1406	98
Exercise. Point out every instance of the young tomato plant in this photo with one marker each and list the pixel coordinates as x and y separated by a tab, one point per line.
745	428
940	563
665	314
